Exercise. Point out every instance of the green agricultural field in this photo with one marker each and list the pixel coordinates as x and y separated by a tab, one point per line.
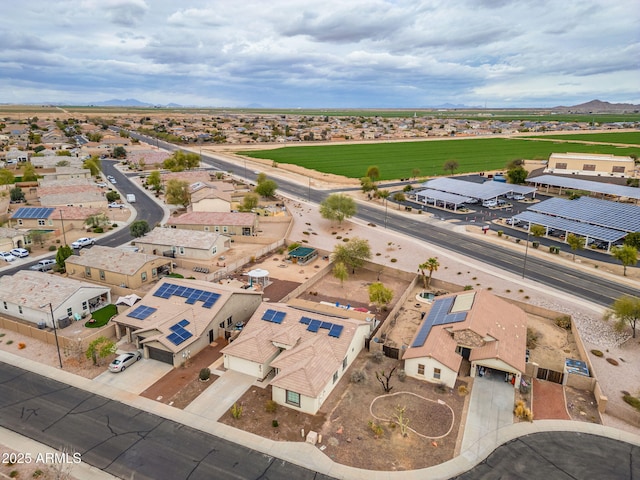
625	138
398	160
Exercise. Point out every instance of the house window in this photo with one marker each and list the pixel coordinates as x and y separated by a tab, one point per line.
436	373
143	276
617	169
344	363
335	377
229	321
420	369
174	226
588	168
561	166
101	274
293	398
154	272
20	309
225	229
5	305
221	324
69	312
181	250
206	228
217	229
85	305
87	271
51	221
41	222
19	221
214	249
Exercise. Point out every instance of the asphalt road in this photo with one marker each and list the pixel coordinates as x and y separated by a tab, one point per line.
124	441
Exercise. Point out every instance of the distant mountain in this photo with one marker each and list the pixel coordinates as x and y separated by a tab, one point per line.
598	106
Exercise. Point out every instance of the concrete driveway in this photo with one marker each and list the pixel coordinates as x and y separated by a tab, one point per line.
216	400
138	377
490	408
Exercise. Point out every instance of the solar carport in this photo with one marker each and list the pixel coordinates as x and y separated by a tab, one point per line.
481	191
429	196
569	183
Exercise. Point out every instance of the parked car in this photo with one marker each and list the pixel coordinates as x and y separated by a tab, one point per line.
116	205
43	265
83	242
518	197
123	361
19	252
7	257
489	203
101	184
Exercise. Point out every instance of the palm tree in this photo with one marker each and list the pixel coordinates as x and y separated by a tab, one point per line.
384	195
432	265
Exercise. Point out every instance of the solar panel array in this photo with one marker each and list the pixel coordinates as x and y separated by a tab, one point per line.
193	295
180	334
481	191
438	315
274	316
314	325
141	312
571	226
588	185
432	195
594	211
33	212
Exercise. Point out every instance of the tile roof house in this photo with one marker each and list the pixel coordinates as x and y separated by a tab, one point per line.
11	238
213	196
187	244
114	266
308	352
227	223
74	195
53	218
180	317
476	326
23	295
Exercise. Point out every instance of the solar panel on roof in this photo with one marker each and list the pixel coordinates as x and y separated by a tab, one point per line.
438	315
141	312
33	212
314	326
180	334
268	315
326	325
183	323
336	331
192	295
305	320
175	339
278	317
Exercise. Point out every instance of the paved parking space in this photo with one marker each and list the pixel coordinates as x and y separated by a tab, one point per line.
138	377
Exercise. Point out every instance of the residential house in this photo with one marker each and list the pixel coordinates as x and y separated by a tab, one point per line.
53	219
212	196
227	223
16	156
179	317
187	244
26	295
474	327
11	238
114	266
308	352
87	195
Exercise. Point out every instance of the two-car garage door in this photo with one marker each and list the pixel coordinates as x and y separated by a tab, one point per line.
161	355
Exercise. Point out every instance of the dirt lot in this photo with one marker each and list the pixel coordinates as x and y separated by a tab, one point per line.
343	420
554	344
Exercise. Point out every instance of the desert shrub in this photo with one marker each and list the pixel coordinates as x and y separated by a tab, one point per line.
378	356
468	287
274	423
376	429
442	388
306	233
597	353
463	390
270	406
522	411
532	338
500	233
9	342
14	474
613	361
631	400
236	411
205	373
52	248
339	237
293	246
402	375
564	322
358	376
22	345
345	239
98	230
393	260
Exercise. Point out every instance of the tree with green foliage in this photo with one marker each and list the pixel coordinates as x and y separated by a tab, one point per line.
537	230
399	198
249	202
154	181
100	348
450	166
517	175
97	220
38	236
29	173
340	272
16	194
139	228
119	152
626	312
367	185
266	188
338	206
181	161
178	193
39	148
432	265
627	255
63	153
373	172
94	137
633	239
576	243
112	196
63	163
93	164
64	252
6	177
353	253
407	188
262	177
380	295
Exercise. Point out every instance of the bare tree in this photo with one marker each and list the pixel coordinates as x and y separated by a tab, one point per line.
385	378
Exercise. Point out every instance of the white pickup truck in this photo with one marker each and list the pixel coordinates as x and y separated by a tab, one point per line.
131	198
83	242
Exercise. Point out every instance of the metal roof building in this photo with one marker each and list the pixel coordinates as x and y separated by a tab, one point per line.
587	185
481	191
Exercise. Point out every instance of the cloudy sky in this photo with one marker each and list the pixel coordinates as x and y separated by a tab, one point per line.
321	54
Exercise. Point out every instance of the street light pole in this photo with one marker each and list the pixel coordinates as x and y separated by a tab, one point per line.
526	251
55	331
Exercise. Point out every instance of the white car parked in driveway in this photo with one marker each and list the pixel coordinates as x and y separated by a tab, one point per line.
19	252
7	257
83	242
123	361
116	205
